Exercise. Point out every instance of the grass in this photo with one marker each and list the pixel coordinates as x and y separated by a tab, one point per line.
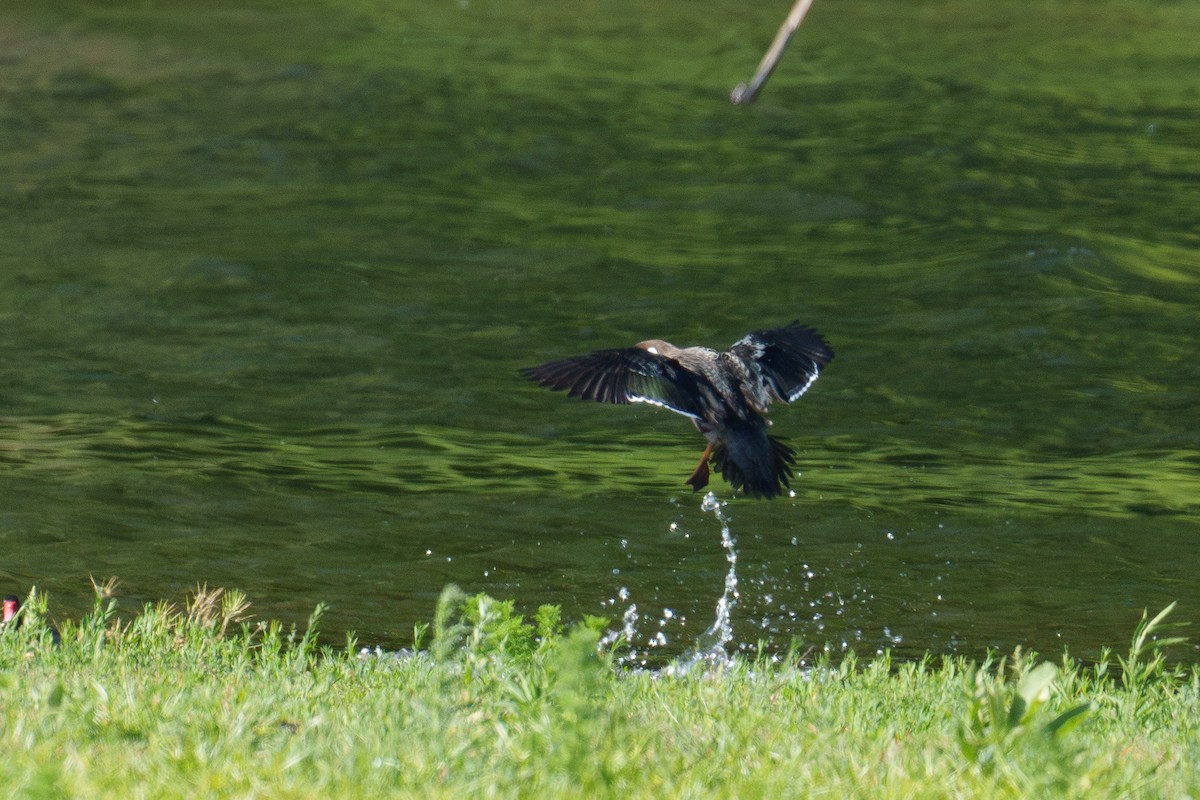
197	702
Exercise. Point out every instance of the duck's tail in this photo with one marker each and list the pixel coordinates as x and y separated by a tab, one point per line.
753	461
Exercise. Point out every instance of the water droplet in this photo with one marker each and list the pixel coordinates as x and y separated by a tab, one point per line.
630	618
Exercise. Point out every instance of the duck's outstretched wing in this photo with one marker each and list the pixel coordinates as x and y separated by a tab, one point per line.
626	375
790	358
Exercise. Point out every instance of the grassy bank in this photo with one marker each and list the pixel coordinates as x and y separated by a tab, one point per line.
195	703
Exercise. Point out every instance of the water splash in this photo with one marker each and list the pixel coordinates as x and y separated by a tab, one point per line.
629	621
628	631
710	649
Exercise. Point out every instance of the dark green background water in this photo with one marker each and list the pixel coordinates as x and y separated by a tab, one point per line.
267	273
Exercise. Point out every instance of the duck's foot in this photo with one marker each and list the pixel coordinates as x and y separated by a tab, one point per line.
699	478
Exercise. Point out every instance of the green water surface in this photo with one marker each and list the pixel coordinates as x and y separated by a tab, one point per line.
268	271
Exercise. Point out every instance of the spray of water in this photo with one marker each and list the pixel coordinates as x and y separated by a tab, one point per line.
710	649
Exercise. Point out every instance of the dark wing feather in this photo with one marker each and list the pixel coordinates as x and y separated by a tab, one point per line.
624	375
790	358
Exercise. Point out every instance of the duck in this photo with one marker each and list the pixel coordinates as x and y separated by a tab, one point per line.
726	394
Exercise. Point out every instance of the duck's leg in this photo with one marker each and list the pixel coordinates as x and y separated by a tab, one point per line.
699	478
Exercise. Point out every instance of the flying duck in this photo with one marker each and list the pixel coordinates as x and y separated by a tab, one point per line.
725	394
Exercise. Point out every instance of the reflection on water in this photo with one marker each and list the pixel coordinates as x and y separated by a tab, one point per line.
971	473
267	287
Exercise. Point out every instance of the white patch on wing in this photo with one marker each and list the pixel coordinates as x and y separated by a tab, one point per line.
799	390
637	398
652	349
